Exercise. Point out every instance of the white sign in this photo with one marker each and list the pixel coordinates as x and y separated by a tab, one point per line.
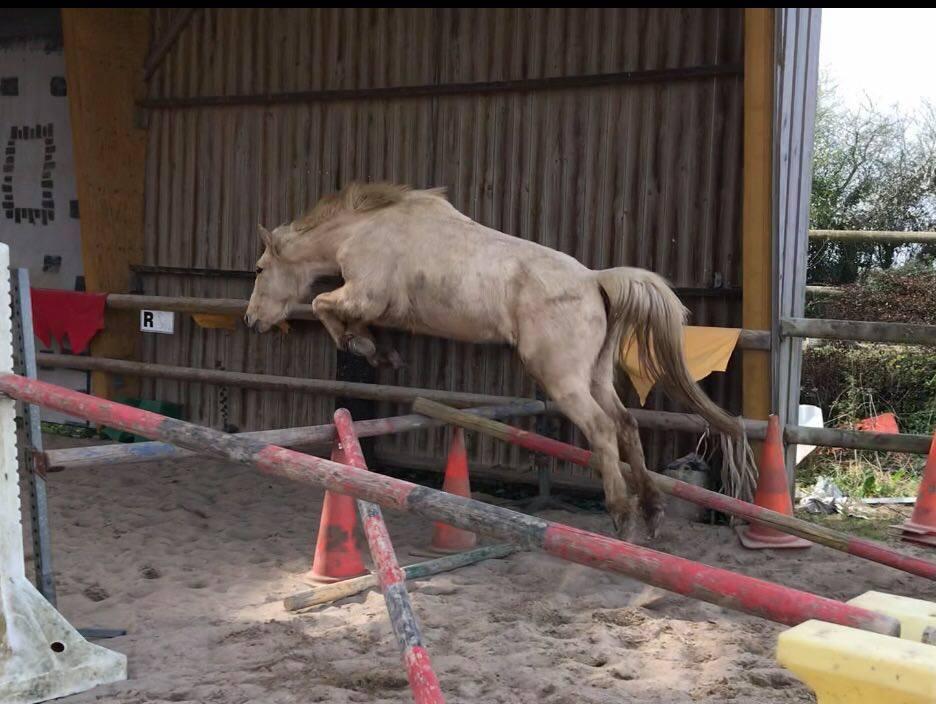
161	321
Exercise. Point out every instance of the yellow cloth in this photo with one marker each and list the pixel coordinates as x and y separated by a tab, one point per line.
707	350
226	322
212	320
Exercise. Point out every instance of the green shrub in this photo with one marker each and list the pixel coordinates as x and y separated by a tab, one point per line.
852	381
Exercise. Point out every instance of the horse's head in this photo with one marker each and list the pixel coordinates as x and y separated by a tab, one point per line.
279	284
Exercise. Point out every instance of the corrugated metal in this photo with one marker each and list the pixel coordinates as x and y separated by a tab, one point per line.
797	41
639	174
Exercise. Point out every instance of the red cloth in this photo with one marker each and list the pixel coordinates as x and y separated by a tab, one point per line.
884	423
74	313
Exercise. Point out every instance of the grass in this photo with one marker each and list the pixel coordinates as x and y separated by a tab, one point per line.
877	527
862	475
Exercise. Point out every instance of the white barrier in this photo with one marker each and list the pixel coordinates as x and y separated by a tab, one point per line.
41	655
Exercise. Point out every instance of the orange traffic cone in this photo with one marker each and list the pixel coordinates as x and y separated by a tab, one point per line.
921	528
772	492
445	538
337	555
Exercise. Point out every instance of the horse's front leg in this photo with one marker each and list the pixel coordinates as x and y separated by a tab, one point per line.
327	313
343	315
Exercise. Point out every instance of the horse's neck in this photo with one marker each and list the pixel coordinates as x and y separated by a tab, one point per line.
319	247
317	252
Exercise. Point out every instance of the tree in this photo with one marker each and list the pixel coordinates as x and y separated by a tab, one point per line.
872	170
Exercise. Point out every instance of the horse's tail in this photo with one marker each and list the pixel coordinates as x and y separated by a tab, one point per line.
643	305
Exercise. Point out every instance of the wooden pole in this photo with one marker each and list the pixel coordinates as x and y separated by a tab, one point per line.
653	420
882	236
302	437
749	339
867	549
422	678
711	584
866	331
328	593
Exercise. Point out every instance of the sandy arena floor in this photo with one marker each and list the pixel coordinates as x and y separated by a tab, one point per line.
194	559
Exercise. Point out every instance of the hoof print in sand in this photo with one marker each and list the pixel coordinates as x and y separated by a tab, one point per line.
96	593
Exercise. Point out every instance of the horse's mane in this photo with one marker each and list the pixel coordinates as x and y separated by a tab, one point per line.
360	198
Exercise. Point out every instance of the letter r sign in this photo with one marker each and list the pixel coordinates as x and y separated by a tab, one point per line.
160	321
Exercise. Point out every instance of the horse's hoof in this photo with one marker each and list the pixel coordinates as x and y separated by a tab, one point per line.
653	520
623	522
651	506
361	346
394	359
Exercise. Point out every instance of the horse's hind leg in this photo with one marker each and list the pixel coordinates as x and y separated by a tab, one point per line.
599	428
651	500
566	376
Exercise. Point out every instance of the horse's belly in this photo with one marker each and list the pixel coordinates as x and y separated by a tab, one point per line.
441	317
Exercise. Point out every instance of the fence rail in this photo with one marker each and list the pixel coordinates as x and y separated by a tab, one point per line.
652	420
882	236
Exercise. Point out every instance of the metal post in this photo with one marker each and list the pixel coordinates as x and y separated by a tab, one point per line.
24	354
31	451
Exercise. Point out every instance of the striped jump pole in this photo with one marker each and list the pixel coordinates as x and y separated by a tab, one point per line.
711	584
97	456
859	547
422	679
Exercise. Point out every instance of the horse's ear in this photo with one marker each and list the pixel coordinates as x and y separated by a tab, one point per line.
267	238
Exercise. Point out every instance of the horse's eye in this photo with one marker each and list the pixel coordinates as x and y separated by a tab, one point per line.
259	270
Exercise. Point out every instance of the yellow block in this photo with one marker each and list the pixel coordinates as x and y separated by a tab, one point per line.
915	615
848	666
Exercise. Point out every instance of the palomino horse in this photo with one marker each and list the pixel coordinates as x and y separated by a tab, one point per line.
411	261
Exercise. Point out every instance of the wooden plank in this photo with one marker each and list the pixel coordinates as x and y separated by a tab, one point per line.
756	204
104	54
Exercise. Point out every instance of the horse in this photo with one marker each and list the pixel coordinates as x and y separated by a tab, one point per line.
411	261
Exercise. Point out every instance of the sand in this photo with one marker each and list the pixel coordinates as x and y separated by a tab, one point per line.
194	558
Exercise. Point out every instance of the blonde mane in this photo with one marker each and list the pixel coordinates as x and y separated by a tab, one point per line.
358	198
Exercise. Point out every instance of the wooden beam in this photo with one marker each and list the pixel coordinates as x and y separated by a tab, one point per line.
167	41
750	339
859	330
756	204
104	54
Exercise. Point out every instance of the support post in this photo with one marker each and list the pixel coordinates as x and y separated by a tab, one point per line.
31	451
41	655
756	204
105	49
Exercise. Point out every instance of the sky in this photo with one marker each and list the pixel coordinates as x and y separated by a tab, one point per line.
887	54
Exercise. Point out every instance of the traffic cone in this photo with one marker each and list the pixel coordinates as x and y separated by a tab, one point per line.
337	555
772	492
445	538
921	528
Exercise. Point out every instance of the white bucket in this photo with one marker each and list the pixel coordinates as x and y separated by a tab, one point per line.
811	417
